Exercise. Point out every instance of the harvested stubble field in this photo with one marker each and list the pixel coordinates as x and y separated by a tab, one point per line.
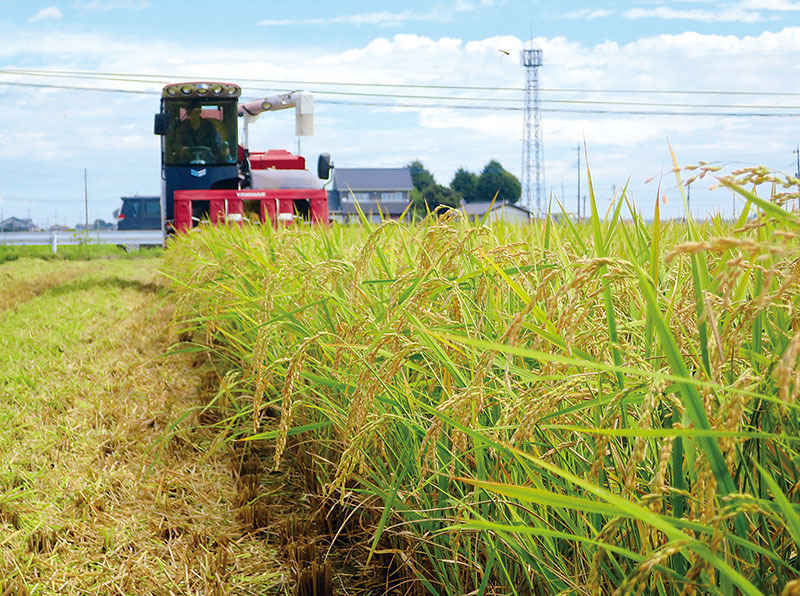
607	407
108	485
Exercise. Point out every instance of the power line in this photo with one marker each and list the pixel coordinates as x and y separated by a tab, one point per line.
77	88
124	77
563	110
557	101
476	107
161	78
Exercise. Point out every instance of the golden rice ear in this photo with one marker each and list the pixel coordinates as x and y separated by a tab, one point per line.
792	588
287	395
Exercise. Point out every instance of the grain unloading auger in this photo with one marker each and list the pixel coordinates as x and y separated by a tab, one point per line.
207	173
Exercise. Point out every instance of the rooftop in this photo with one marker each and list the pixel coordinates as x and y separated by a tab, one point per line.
361	179
481	207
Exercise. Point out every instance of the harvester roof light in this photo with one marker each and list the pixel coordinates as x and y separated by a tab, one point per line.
200	89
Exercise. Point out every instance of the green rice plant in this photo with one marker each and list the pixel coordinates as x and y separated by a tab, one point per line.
601	407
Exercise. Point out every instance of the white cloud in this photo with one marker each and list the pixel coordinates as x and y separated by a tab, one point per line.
49	13
501	126
38	142
439	14
729	14
289	22
466	5
377	19
774	5
109	5
588	13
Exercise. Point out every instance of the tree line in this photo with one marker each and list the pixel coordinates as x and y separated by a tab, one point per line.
465	186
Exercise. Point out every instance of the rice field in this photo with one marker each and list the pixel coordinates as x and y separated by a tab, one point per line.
597	407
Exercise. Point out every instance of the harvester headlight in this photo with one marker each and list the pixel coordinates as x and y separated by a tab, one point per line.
202	90
232	90
186	89
217	89
172	91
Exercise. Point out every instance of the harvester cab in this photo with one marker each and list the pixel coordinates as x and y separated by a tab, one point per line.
208	174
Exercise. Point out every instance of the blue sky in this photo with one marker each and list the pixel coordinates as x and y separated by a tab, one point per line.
614	75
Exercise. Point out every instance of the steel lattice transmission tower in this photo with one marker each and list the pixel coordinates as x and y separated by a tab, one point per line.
532	150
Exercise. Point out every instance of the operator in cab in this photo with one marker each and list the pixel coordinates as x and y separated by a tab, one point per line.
196	139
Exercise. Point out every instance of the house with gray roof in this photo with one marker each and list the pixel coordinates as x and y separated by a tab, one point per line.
497	211
15	224
380	193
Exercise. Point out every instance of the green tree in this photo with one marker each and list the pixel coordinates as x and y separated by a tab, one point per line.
494	179
420	176
465	183
427	194
436	195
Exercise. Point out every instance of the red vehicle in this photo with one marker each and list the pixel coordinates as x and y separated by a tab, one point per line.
207	172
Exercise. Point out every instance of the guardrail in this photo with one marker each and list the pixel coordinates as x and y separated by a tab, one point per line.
132	238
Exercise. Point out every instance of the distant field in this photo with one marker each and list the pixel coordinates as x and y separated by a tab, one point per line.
576	408
70	253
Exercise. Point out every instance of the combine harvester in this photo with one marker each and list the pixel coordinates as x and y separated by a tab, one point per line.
206	174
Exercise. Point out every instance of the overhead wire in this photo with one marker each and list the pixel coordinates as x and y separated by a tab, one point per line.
133	77
698	109
564	101
77	88
566	110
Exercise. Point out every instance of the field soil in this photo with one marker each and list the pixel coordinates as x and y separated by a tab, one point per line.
108	483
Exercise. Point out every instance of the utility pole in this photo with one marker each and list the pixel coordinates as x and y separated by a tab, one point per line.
797	171
689	198
86	198
579	181
797	154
